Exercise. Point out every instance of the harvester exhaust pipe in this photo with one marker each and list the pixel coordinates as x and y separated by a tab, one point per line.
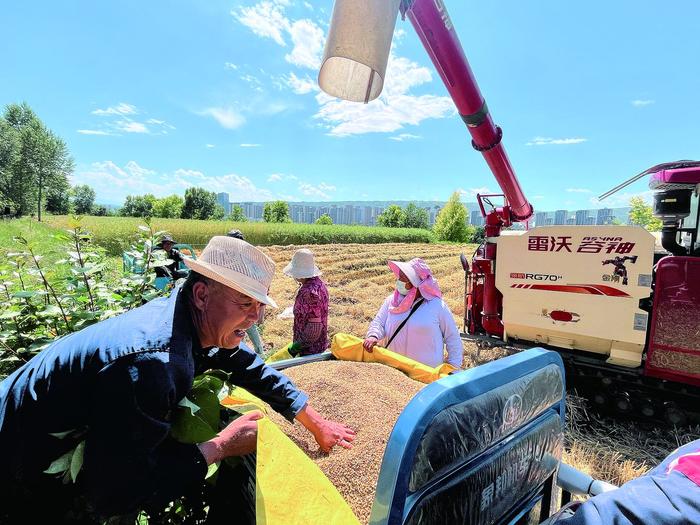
357	49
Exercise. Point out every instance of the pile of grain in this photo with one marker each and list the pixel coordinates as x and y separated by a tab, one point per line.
367	397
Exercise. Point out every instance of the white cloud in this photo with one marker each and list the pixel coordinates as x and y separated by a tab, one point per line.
268	20
120	109
472	192
538	197
404	136
247	145
129	126
133	168
227	117
393	110
300	86
308	6
93	132
641	102
265	19
209	146
113	183
578	190
545	141
308	40
319	191
253	81
277	177
230	65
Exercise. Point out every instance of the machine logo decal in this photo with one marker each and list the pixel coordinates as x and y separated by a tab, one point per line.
536	276
588	289
620	272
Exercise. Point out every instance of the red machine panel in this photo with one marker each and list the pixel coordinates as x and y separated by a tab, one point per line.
674	342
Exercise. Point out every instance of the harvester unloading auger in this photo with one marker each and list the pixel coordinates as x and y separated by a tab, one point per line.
625	319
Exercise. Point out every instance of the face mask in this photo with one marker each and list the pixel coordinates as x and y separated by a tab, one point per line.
401	287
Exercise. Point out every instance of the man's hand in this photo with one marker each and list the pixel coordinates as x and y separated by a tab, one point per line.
326	432
237	439
370	343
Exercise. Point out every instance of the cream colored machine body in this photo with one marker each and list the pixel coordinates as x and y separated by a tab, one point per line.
577	288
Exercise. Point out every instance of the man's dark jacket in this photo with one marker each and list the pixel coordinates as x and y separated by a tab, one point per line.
116	384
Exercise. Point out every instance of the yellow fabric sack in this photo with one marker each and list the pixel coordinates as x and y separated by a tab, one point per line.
349	348
280	355
289	488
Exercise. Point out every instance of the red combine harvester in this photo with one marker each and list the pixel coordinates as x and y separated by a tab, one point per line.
625	319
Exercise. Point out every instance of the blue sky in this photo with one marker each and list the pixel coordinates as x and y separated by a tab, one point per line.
157	96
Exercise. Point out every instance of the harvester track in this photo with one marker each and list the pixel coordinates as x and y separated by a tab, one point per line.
618	391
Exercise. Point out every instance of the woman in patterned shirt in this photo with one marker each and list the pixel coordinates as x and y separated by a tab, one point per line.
310	305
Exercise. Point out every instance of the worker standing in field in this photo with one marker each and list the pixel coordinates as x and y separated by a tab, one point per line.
414	320
310	305
114	385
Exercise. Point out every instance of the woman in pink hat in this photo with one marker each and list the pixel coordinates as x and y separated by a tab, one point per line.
310	305
414	320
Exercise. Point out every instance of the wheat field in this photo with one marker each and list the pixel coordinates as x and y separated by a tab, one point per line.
359	280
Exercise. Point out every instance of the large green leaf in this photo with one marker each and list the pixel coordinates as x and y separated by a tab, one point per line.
208	403
188	428
76	462
24	294
60	465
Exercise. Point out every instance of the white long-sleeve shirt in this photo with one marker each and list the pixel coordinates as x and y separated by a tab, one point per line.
423	337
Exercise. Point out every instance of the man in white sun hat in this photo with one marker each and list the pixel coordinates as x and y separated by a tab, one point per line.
114	385
310	305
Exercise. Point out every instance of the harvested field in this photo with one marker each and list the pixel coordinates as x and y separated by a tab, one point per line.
359	280
369	398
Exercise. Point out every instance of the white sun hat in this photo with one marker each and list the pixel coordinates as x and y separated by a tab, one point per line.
238	265
302	265
407	270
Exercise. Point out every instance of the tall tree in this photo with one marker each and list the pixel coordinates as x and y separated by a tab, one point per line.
324	220
9	154
41	161
199	204
138	206
451	222
641	214
16	183
83	199
392	217
416	217
58	199
47	159
168	207
276	211
237	214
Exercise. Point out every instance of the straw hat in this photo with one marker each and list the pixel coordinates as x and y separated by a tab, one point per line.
238	265
302	265
407	270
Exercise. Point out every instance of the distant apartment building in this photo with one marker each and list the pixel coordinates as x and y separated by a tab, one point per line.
541	218
222	200
581	217
476	219
605	216
560	217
